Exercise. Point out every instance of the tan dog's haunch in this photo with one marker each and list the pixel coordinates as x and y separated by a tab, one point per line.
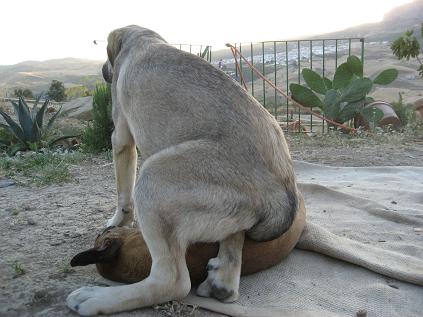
121	255
215	167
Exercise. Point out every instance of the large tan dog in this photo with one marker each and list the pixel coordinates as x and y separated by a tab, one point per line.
215	167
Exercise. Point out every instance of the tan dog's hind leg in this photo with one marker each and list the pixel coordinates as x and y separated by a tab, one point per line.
224	271
125	161
170	216
168	280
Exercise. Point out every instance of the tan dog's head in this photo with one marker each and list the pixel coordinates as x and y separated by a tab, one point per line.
116	44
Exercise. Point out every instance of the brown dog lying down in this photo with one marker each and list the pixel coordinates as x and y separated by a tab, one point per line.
121	254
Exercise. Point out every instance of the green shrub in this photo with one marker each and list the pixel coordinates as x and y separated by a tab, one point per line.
57	91
26	93
97	136
408	46
77	91
406	113
29	131
6	139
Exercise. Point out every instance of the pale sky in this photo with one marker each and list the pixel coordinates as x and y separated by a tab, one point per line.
46	29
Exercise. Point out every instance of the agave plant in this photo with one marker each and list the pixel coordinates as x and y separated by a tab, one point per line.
344	97
28	130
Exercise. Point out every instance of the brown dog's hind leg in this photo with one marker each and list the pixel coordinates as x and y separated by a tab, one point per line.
224	271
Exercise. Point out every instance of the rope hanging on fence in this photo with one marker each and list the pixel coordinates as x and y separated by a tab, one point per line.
235	52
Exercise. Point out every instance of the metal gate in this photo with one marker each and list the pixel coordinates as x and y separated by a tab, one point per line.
281	62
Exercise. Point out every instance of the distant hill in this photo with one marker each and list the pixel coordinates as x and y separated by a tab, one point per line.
394	23
37	76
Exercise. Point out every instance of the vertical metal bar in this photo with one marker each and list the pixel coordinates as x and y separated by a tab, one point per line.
210	55
336	54
274	56
236	68
298	62
241	73
349	47
323	124
311	54
299	81
362	51
287	85
311	67
252	72
190	48
264	74
323	53
323	58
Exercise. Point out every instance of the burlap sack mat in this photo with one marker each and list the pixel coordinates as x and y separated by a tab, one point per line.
366	226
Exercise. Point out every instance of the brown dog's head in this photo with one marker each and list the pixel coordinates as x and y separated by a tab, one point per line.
107	247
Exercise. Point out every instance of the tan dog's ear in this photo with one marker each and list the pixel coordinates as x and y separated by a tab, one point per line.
103	253
114	44
107	72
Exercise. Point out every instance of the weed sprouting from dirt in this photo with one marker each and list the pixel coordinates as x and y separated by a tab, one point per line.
15	212
175	309
18	269
41	168
65	268
333	139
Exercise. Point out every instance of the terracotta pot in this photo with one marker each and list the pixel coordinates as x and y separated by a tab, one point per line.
389	115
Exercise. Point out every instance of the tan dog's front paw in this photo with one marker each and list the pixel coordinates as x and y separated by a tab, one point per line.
88	301
121	218
115	221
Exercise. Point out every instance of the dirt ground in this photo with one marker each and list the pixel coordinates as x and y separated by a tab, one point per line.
386	150
43	227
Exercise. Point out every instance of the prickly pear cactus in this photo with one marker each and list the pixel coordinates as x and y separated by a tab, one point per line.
342	98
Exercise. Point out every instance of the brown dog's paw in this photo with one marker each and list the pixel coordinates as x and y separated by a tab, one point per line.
221	282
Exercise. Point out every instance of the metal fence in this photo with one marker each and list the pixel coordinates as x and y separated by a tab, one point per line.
204	51
281	62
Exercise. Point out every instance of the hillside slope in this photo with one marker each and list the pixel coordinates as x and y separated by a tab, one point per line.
394	23
37	76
